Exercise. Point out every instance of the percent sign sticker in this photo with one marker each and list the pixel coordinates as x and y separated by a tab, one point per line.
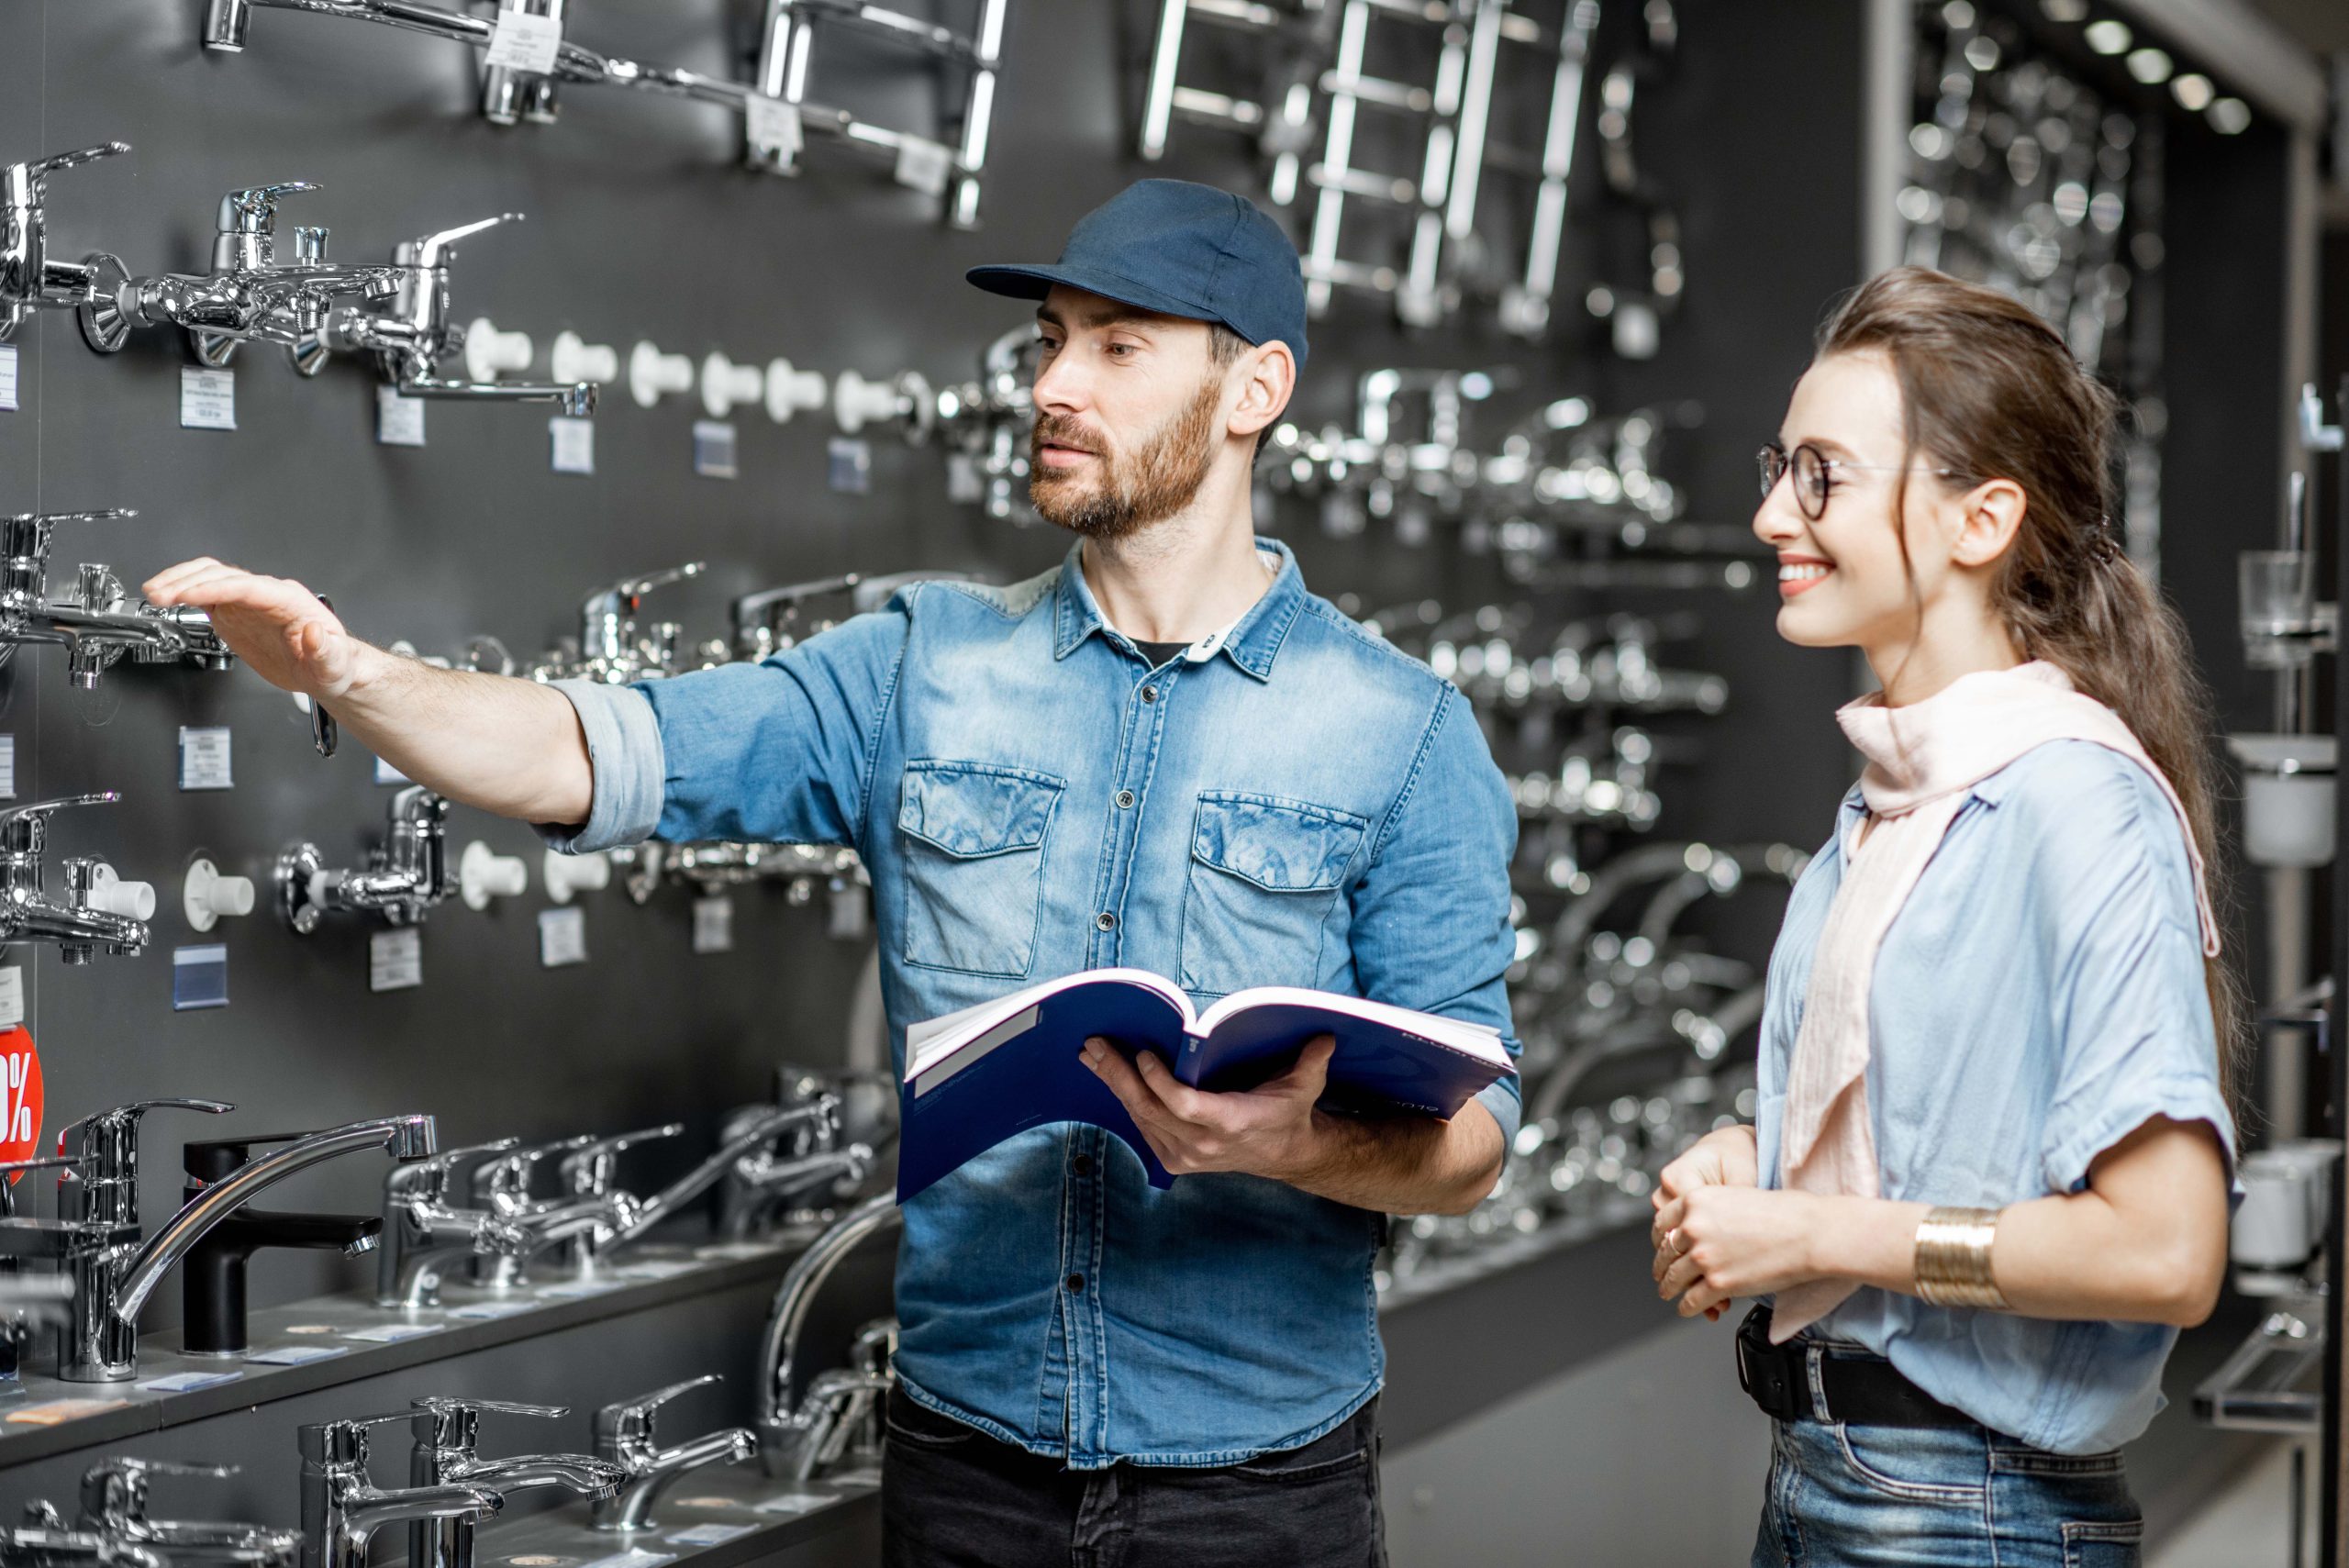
20	1077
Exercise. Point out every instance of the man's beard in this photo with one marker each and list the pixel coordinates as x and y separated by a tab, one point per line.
1129	492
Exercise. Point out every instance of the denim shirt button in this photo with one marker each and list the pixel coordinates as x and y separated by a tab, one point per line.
1076	1282
1081	1166
1150	694
1106	921
1125	800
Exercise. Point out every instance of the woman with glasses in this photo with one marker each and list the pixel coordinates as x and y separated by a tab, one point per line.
1989	1176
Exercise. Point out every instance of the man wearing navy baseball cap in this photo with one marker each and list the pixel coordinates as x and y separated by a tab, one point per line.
1164	753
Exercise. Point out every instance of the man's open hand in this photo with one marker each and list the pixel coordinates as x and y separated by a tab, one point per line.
1269	1130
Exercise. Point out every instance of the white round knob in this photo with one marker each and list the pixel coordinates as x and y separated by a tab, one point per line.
567	874
576	360
206	895
725	384
134	900
484	874
790	391
489	352
653	375
857	402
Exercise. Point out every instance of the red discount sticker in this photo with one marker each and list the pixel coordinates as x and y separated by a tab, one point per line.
20	1097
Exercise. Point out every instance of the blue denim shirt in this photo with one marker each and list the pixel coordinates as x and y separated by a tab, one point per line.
2039	997
1305	806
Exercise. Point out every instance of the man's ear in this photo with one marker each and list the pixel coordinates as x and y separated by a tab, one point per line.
1992	516
1268	375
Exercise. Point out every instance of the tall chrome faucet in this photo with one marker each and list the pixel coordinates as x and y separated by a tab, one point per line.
798	1432
99	623
411	339
406	875
446	1452
624	1435
113	1274
248	294
425	1234
114	1504
342	1507
102	909
30	278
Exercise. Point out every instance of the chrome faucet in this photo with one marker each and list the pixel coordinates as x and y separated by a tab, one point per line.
788	1149
406	875
27	1301
29	280
501	1185
446	1452
424	1235
250	294
99	623
799	1433
113	1274
102	911
416	333
40	1543
612	648
590	1169
624	1435
114	1504
342	1507
986	424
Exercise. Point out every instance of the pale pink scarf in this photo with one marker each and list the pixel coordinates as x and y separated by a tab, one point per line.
1921	761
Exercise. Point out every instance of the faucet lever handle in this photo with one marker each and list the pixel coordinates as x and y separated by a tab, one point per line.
633	1418
253	210
577	1163
630	589
443	1404
427	250
132	1465
40	169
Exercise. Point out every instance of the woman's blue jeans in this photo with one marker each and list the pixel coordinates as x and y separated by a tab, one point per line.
1843	1497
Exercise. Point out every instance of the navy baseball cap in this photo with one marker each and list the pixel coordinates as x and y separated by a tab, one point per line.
1179	248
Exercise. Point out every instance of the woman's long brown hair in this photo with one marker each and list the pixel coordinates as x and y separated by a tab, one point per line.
1989	391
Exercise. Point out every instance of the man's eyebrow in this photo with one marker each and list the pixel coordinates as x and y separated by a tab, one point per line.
1107	314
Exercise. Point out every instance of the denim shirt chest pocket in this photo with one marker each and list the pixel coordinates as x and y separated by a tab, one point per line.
1264	873
974	846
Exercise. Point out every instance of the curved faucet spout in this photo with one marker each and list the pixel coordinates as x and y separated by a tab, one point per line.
699	1180
798	1294
366	1510
593	1479
402	1137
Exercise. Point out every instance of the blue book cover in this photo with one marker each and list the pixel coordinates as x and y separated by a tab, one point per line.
976	1077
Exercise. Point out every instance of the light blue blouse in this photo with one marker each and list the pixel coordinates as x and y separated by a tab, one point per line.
2039	997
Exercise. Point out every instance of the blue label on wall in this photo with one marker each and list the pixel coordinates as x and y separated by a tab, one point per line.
199	977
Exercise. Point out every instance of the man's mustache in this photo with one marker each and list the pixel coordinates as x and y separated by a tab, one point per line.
1059	431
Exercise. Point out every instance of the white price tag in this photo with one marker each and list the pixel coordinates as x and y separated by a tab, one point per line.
8	767
710	1534
207	399
575	444
924	165
562	937
297	1355
204	758
524	42
714	924
7	378
400	421
773	127
12	997
182	1382
392	1333
387	774
714	448
395	959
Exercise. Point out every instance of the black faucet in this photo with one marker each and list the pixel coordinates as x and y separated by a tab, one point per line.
212	1282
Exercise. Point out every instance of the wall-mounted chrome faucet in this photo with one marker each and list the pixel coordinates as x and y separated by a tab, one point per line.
249	295
30	278
99	623
342	1509
102	911
798	1433
415	333
613	648
447	1454
624	1436
97	1196
406	875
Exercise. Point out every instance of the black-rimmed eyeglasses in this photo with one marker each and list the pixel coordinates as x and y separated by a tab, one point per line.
1814	476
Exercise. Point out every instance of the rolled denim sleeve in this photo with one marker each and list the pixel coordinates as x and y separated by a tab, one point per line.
2133	1012
1431	913
624	749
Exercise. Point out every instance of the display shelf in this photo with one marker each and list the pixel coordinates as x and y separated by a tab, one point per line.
646	1277
724	1517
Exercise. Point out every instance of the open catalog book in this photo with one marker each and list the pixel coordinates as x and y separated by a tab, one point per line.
976	1077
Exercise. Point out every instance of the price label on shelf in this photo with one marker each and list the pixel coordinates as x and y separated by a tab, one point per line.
523	42
773	127
297	1355
204	757
395	959
400	421
184	1382
387	774
575	444
562	937
392	1333
207	399
714	924
924	165
7	378
714	448
199	977
849	464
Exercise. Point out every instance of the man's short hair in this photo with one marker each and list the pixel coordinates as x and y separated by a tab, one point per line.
1224	348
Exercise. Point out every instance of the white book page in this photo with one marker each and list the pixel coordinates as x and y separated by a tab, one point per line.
931	1041
1479	1040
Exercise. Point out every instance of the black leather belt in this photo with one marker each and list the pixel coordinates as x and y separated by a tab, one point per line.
1861	1391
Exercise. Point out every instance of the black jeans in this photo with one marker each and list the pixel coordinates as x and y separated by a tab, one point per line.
953	1496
